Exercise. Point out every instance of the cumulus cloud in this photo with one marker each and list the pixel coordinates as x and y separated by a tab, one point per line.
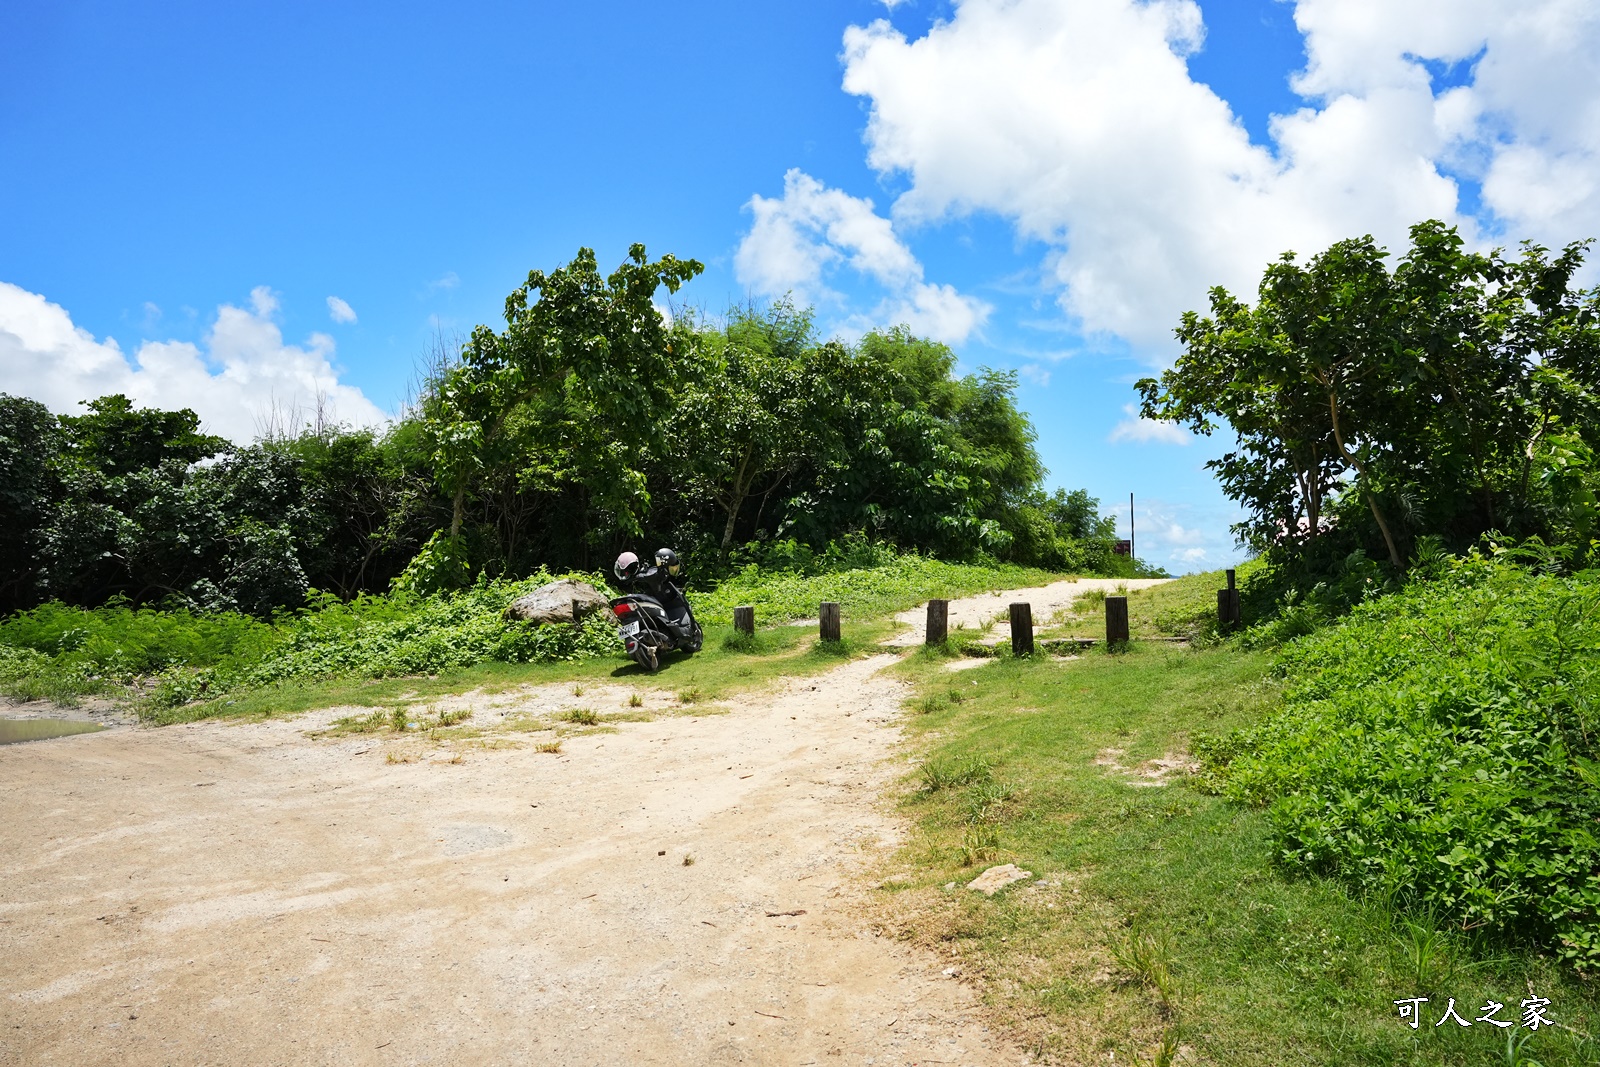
798	239
1080	123
339	311
1144	431
1526	123
238	377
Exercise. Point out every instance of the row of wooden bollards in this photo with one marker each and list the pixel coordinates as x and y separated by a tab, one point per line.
938	631
1022	624
744	619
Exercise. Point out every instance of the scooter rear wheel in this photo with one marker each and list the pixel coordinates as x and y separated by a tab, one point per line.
645	656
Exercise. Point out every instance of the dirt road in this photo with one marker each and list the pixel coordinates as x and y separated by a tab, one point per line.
248	894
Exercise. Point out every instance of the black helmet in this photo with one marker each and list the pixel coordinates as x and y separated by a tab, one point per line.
668	561
627	566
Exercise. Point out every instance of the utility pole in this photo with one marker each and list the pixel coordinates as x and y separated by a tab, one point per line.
1133	555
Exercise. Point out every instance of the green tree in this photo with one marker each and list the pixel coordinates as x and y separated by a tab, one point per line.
578	345
116	438
758	402
30	443
1449	397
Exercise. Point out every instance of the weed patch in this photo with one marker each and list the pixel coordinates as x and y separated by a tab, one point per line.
1223	956
1438	748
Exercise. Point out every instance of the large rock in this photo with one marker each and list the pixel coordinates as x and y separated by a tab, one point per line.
563	601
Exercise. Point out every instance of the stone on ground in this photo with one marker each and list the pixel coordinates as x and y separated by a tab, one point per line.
995	879
555	602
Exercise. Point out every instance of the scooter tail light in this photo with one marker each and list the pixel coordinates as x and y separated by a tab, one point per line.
622	609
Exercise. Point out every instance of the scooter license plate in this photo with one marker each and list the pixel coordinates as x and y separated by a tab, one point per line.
629	629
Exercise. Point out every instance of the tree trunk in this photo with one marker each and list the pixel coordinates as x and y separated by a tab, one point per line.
1366	486
736	494
1314	496
457	512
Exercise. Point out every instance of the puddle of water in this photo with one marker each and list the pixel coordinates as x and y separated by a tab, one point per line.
15	730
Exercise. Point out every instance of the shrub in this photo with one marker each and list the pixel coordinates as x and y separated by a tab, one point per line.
1436	747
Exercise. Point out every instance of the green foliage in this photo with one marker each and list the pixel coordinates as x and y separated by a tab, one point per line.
441	565
1438	747
938	775
121	642
588	424
29	447
116	439
1246	967
1455	394
379	637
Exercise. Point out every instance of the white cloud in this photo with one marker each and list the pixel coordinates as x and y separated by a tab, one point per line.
446	281
1527	123
1033	372
1080	123
339	311
1145	431
1182	537
797	240
233	380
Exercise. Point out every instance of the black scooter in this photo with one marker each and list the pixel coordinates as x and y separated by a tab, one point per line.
647	630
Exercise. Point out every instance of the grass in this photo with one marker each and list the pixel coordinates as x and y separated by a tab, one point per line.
866	592
1162	921
1185	607
384	651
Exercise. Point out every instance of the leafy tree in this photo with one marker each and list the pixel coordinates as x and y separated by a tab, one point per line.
758	403
116	439
592	348
933	460
30	442
1448	397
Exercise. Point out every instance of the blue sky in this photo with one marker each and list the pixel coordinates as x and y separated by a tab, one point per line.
1044	184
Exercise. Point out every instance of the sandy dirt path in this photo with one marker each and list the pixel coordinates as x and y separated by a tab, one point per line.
1045	600
248	894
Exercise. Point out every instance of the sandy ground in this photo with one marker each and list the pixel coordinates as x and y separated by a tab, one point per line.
256	893
250	894
1045	601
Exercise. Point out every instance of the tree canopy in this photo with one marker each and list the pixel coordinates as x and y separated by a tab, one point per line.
1445	398
590	422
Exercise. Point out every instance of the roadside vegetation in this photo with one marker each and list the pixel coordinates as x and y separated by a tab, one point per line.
1340	847
180	665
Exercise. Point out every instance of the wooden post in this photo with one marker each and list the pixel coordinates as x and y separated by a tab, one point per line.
1116	621
829	618
938	622
744	621
1228	612
1021	629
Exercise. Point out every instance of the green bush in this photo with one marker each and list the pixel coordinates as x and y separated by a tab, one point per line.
402	634
1436	748
121	642
201	655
